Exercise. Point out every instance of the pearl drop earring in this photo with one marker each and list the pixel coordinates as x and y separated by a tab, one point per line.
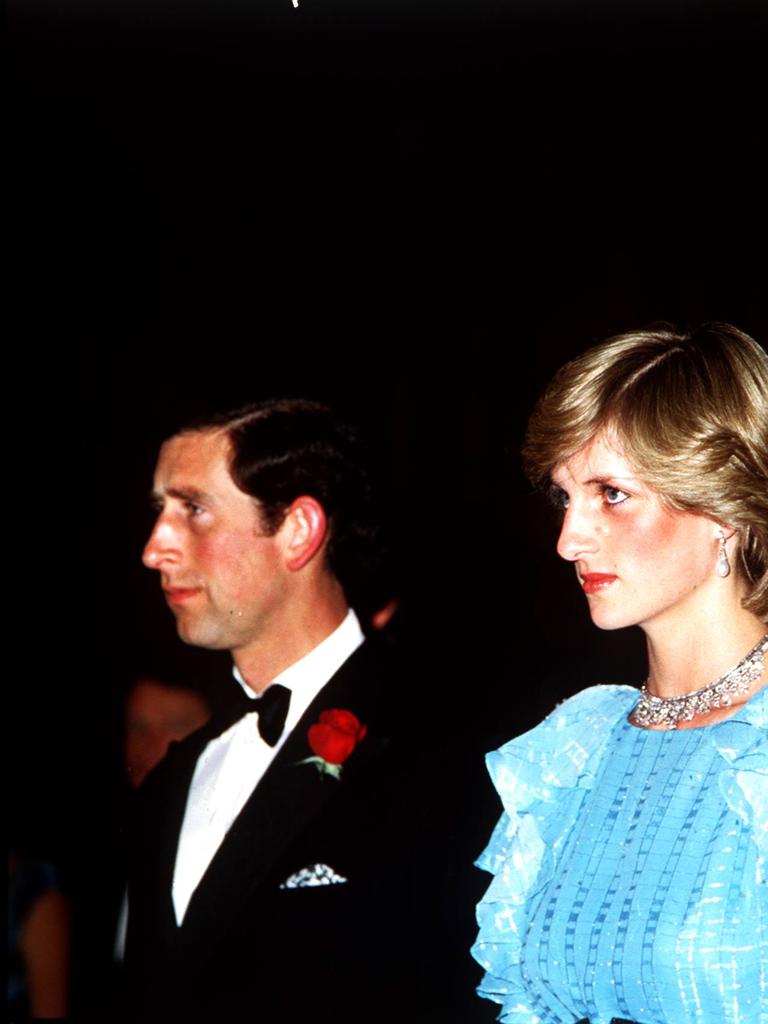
723	566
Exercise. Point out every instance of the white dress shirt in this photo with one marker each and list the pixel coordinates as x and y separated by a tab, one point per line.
231	766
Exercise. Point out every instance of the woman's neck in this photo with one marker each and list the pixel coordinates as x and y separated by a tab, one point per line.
685	660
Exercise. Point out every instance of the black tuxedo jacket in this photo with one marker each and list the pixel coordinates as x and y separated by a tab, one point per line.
390	943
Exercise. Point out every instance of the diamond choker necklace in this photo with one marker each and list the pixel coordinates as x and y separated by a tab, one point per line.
668	711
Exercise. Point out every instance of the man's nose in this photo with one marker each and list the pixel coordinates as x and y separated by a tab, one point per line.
578	535
162	548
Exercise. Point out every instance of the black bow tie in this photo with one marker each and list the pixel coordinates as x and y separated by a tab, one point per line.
271	706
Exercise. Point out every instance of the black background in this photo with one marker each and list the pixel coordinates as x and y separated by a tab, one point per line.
414	210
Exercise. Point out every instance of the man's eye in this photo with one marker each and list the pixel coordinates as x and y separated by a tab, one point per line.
614	496
192	508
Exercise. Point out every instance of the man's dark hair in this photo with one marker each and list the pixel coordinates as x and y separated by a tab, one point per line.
285	448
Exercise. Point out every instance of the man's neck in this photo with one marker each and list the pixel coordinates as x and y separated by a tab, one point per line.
308	624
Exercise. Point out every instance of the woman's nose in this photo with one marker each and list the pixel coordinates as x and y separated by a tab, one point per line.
578	535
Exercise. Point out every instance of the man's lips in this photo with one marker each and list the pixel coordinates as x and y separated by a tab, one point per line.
175	595
594	581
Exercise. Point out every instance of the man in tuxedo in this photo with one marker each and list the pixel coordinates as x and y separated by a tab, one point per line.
292	860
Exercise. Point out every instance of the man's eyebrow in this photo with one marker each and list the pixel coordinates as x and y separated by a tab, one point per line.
183	494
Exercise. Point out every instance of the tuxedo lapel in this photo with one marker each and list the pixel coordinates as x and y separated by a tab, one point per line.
159	812
286	801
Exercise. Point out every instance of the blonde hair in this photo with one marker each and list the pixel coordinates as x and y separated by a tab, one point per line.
690	409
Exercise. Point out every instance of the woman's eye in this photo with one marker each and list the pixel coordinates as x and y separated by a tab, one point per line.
559	498
614	496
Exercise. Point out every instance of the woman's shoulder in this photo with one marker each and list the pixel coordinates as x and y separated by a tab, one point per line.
597	706
542	778
745	732
755	711
563	751
742	742
586	718
605	701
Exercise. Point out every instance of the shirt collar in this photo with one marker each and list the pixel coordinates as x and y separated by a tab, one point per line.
315	669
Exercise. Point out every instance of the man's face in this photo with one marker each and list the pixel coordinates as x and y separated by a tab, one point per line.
225	582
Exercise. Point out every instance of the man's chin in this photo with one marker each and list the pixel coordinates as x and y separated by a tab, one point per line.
196	635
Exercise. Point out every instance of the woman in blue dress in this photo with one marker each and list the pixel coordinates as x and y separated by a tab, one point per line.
630	861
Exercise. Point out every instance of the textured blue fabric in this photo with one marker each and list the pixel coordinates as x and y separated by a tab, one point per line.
629	869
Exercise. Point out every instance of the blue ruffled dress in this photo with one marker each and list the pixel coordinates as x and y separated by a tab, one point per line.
629	869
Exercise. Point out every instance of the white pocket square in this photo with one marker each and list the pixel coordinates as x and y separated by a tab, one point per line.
316	874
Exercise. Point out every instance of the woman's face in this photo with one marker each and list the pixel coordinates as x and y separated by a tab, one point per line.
638	562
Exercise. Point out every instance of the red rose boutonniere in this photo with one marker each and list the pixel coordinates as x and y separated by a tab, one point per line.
332	739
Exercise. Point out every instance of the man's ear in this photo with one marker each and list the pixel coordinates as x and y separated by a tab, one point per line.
303	531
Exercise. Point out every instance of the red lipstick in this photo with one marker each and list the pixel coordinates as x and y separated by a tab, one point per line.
594	581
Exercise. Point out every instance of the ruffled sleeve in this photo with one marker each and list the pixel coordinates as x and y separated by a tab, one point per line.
541	778
742	742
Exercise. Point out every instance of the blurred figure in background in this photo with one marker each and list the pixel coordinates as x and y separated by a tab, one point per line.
39	940
158	712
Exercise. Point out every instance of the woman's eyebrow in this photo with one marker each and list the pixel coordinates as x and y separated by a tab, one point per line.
608	478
